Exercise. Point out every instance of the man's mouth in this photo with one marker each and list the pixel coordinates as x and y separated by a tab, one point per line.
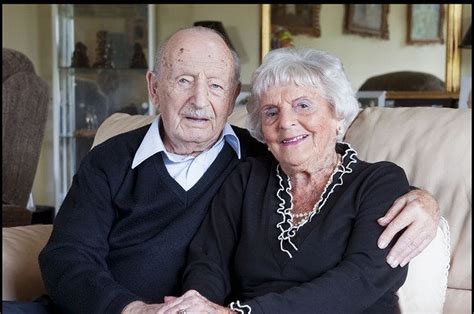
197	119
294	140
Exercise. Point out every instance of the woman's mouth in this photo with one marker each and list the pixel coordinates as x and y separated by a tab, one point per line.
294	140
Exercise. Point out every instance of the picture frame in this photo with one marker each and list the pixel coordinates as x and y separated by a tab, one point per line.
425	24
371	99
297	18
367	20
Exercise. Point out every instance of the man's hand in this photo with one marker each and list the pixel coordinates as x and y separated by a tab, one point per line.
418	211
192	302
139	307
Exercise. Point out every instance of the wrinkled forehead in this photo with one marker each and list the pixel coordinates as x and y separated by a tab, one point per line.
198	52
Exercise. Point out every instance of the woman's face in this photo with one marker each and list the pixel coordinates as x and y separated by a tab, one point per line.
298	126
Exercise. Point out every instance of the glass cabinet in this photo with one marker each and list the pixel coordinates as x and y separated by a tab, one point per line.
101	55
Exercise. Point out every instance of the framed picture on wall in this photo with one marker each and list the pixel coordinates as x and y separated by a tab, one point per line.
367	20
425	24
371	99
297	18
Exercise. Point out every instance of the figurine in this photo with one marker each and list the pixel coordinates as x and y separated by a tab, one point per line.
104	52
138	58
79	56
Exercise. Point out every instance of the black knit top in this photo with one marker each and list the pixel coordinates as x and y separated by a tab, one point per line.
121	234
248	252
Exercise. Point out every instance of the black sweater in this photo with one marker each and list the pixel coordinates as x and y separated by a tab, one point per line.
336	266
121	234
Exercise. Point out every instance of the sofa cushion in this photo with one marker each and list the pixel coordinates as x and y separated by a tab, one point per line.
433	146
424	289
20	249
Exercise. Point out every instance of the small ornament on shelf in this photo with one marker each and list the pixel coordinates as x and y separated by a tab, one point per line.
104	51
79	56
138	58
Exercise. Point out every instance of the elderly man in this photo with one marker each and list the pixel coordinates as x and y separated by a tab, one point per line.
120	238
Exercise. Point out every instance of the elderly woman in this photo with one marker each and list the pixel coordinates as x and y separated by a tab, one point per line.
296	232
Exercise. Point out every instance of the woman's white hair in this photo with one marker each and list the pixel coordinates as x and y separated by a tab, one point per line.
303	67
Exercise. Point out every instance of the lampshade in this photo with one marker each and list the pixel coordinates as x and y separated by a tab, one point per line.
466	41
217	26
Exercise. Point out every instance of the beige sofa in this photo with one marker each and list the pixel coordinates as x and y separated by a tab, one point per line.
433	145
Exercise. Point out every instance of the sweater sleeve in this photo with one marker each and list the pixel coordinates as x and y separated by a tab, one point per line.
363	276
73	263
212	248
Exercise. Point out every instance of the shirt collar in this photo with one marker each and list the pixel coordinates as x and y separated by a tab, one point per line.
152	143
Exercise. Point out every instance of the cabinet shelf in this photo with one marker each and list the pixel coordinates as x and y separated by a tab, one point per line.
87	96
85	133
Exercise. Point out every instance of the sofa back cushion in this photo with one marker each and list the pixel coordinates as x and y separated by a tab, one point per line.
433	146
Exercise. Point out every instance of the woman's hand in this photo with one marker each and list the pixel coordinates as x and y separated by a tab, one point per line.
191	302
419	212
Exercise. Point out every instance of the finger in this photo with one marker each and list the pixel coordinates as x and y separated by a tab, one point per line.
194	305
415	253
171	304
169	298
398	224
393	211
190	297
408	242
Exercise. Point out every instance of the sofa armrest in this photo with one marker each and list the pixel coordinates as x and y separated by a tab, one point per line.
21	275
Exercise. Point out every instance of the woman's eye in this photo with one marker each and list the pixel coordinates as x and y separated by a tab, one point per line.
270	113
303	105
183	81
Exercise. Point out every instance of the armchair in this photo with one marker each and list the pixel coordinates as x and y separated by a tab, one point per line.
25	98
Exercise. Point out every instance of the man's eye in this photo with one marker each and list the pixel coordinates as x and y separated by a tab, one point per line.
183	81
216	86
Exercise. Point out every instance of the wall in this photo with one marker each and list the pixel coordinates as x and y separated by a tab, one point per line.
245	35
364	57
27	28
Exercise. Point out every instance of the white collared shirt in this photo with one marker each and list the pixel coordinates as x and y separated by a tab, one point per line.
186	170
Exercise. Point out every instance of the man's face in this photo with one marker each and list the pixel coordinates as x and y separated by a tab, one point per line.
195	92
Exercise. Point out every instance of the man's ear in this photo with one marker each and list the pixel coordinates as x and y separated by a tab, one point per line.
152	85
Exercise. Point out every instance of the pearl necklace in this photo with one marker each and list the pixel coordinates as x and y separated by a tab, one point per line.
316	209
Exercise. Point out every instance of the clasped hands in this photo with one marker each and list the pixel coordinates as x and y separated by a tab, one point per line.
190	302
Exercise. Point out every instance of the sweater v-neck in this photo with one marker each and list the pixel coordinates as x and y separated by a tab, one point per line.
218	165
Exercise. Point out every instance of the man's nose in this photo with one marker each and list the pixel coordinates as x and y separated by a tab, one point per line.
201	94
